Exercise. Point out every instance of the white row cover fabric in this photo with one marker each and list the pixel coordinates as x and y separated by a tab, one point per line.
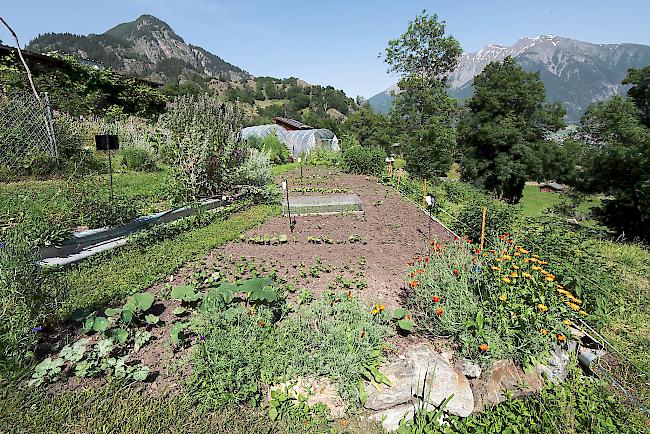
298	142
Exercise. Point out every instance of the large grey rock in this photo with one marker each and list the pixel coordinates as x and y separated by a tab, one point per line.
505	376
469	368
391	417
436	380
556	366
400	373
318	391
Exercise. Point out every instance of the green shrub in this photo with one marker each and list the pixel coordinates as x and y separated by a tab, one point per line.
362	160
323	156
277	151
138	159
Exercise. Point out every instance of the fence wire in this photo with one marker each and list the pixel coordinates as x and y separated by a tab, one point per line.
26	130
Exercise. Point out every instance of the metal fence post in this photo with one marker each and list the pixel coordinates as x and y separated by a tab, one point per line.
50	127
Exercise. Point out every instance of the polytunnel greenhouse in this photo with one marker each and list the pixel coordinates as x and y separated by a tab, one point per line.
299	141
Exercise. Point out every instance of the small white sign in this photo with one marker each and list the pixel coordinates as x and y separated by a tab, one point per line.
388	159
284	185
429	200
299	159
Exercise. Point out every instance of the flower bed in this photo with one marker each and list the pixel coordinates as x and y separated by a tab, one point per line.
497	303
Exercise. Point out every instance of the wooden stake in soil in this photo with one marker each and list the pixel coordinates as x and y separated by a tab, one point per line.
424	195
399	177
285	187
483	228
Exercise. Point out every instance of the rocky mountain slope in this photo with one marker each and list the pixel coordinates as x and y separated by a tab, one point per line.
146	47
575	73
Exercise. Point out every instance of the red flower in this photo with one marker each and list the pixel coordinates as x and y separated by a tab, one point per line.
426	259
455	238
439	312
436	298
456	272
469	241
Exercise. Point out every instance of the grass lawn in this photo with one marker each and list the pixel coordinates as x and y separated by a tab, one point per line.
47	197
535	202
270	102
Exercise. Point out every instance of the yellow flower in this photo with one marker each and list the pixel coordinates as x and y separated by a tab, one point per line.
583	313
505	279
515	267
536	256
542	307
496	268
535	267
550	278
517	254
497	259
526	275
381	307
544	331
503	297
375	311
514	274
566	322
524	251
544	272
507	257
533	259
543	263
573	306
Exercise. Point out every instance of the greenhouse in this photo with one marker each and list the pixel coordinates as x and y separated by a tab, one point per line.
298	141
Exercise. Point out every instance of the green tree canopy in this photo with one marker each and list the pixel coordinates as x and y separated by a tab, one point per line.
425	56
619	164
502	133
370	128
640	91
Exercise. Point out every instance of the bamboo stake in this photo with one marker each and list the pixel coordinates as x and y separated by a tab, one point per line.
483	228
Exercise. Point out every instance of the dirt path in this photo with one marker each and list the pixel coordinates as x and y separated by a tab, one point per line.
392	231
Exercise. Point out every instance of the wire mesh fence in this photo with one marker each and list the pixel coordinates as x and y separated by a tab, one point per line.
26	130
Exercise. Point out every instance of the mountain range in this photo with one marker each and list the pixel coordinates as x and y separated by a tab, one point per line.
574	73
146	47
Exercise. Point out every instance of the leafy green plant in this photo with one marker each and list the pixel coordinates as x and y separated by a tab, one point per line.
364	160
139	159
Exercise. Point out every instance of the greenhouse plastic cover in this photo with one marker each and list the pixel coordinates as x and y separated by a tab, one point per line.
298	142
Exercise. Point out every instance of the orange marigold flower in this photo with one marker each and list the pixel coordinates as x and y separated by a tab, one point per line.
349	295
550	278
543	331
561	338
261	323
515	267
524	251
250	311
414	284
517	254
484	347
419	271
439	312
506	280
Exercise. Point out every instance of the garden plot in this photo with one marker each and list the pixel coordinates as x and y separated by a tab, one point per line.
363	252
305	205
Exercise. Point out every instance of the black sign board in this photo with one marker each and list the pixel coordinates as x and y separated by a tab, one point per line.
107	142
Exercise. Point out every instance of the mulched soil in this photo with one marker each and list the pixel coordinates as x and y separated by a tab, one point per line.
392	230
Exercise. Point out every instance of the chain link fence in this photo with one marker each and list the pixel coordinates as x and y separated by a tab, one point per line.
26	131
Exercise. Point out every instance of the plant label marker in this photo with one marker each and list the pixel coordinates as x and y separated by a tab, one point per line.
301	183
108	142
399	177
483	228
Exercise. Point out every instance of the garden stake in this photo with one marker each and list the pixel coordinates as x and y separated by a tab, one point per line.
285	185
483	228
110	173
399	177
424	195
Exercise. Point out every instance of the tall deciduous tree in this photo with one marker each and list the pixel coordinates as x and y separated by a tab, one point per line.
502	133
370	128
640	91
424	56
619	164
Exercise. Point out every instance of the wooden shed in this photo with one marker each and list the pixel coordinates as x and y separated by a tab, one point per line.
552	187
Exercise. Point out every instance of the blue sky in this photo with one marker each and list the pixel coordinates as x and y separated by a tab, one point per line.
336	41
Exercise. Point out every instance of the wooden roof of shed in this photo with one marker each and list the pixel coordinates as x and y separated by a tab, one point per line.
291	124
